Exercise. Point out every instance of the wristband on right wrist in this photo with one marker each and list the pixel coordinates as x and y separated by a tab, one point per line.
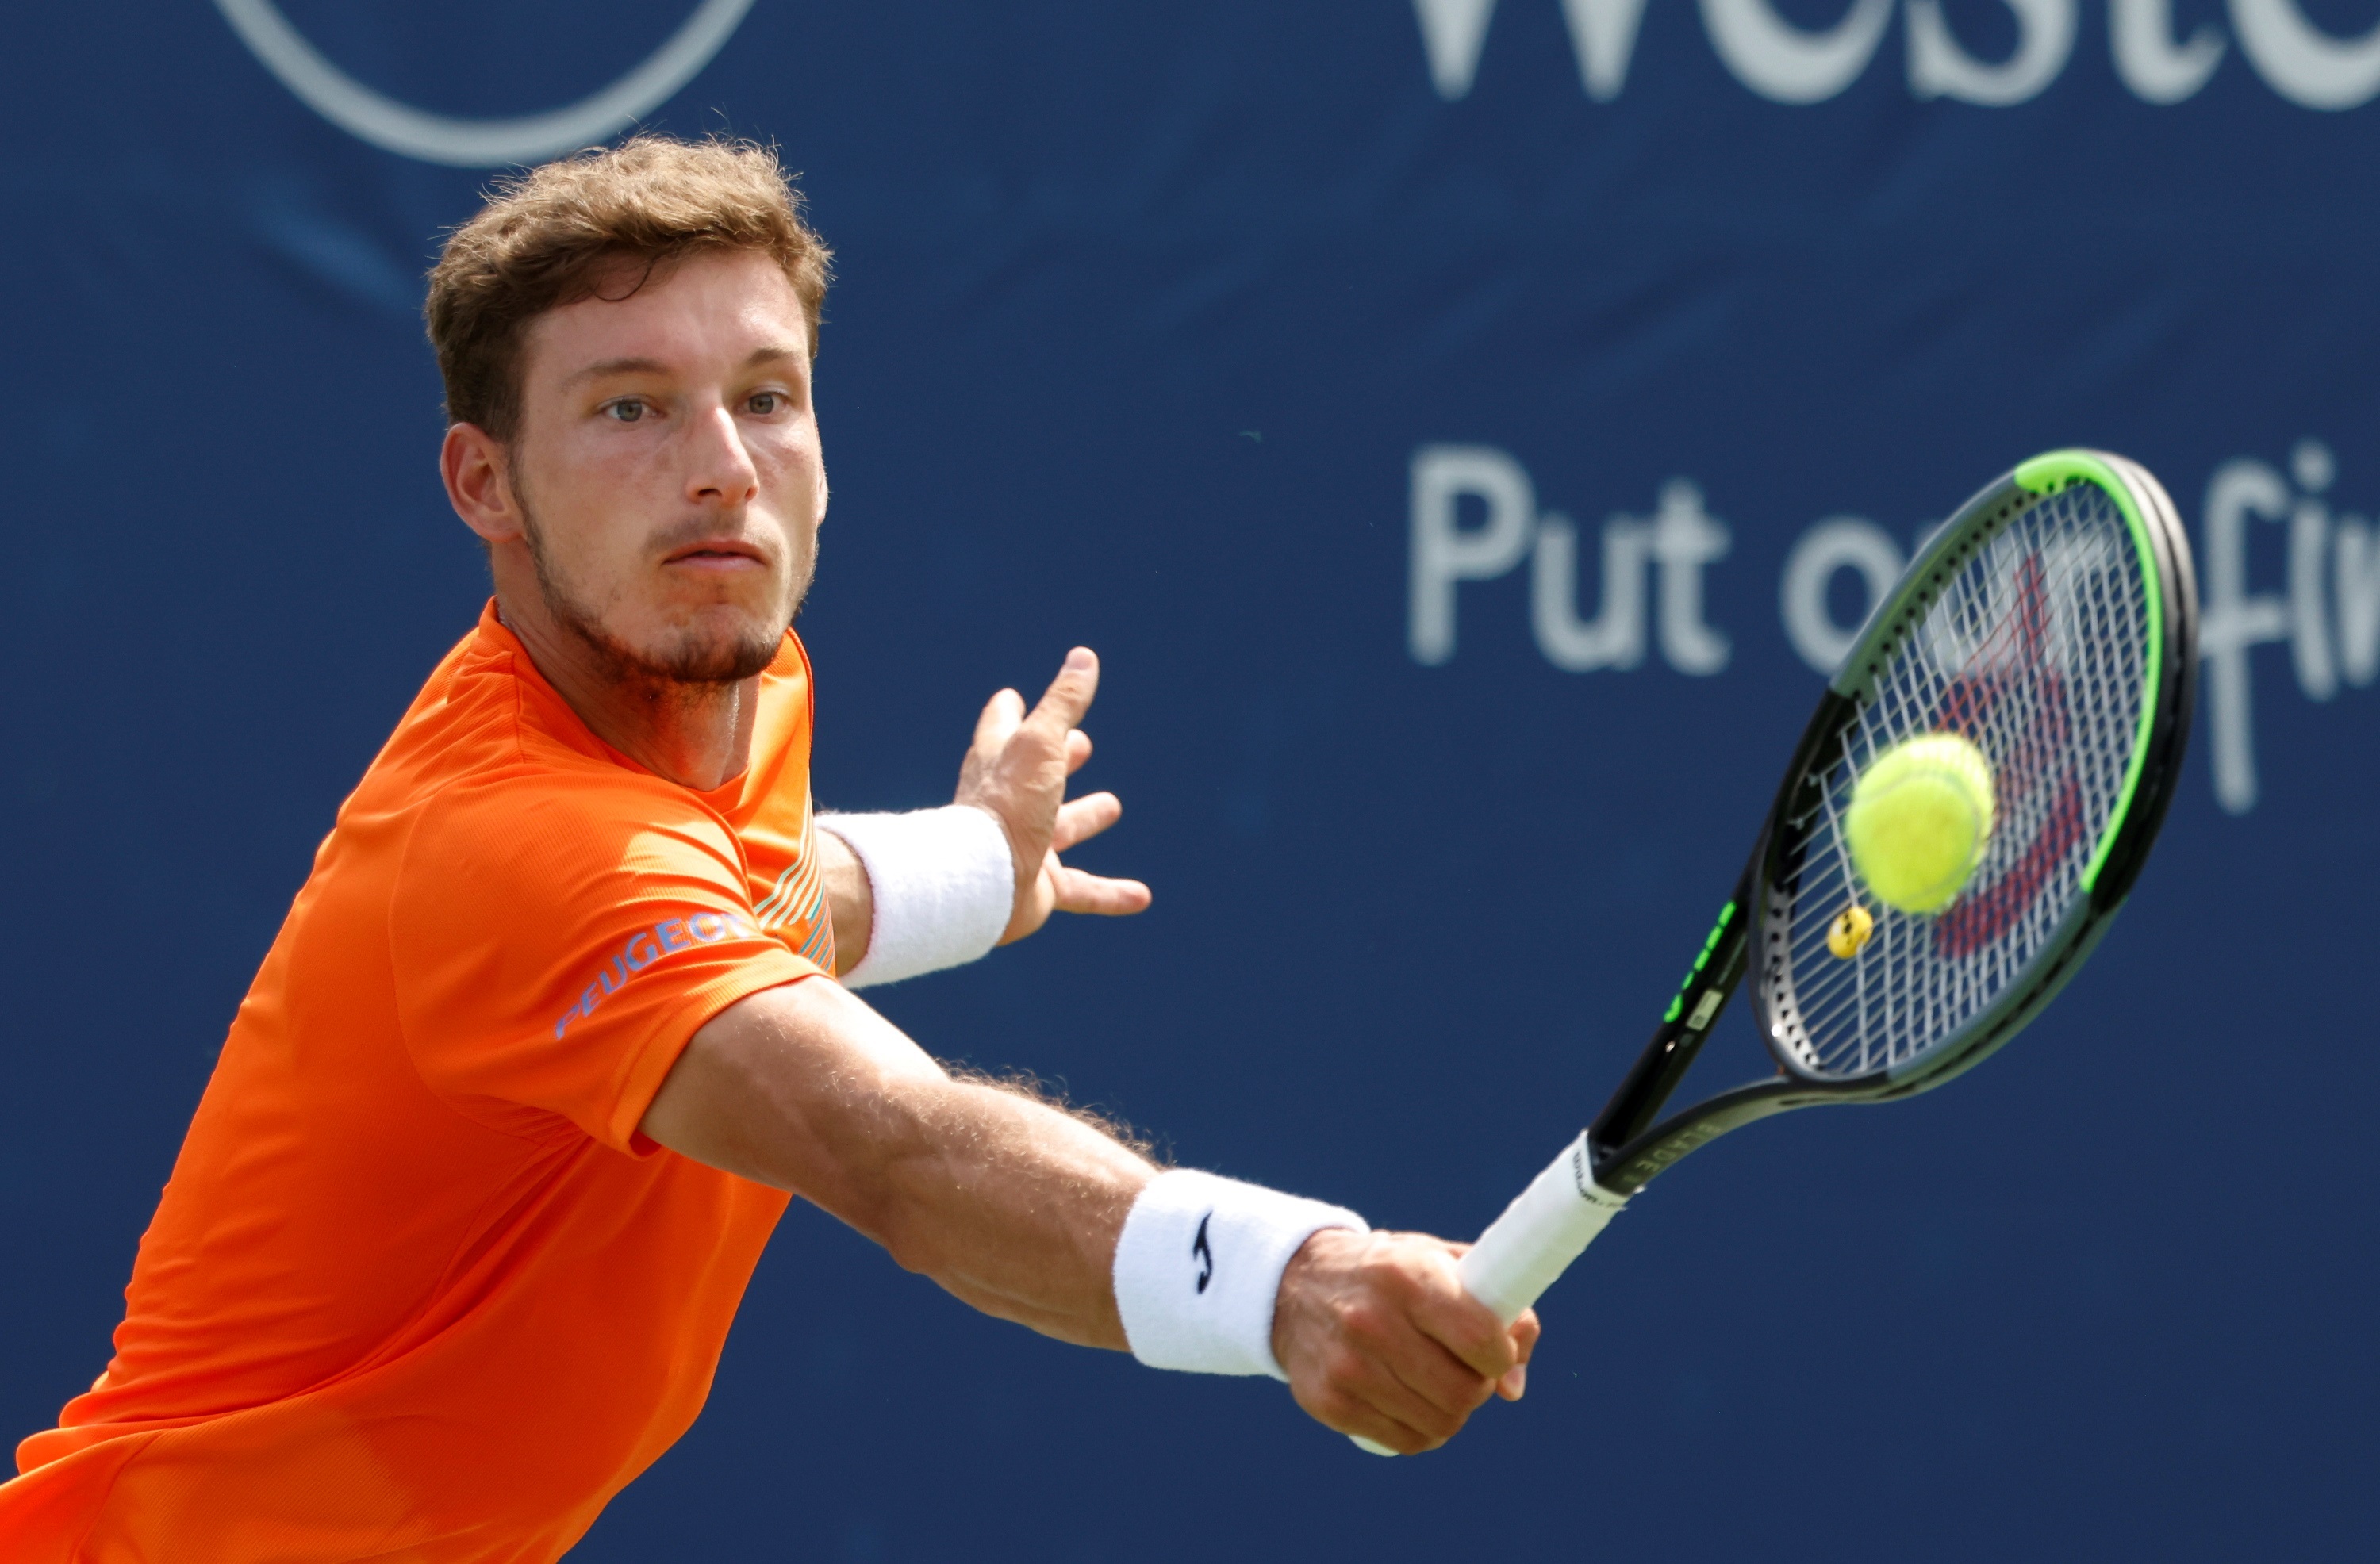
1198	1268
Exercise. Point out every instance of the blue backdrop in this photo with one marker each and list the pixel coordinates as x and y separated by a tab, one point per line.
1149	318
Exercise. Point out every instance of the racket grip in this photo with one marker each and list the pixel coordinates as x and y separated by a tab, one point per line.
1547	1227
1523	1251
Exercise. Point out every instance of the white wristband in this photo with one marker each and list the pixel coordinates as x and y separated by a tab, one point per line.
944	883
1198	1267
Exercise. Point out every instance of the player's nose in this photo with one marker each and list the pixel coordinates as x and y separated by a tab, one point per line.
720	469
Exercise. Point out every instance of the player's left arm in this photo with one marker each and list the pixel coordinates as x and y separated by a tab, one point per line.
1015	771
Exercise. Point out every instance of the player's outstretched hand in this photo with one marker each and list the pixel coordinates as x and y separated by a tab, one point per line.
1017	769
1378	1338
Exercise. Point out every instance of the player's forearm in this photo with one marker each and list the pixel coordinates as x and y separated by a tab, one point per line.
1011	1204
1008	1203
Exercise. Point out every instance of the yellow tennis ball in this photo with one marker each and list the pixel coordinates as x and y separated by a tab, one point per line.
1920	817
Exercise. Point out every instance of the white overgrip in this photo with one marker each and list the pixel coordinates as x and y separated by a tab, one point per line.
1547	1227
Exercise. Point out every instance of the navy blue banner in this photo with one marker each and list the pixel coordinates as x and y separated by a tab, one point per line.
1468	429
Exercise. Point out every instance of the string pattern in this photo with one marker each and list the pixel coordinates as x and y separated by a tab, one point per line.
2036	649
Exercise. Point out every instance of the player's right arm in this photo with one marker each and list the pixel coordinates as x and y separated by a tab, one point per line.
1016	1207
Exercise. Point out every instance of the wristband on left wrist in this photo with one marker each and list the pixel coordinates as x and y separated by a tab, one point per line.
944	886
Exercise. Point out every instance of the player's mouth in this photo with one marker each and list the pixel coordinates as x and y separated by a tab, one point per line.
716	555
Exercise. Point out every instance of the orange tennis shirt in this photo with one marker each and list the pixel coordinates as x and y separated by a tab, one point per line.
418	1289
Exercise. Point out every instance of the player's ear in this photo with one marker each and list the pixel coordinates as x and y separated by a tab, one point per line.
476	467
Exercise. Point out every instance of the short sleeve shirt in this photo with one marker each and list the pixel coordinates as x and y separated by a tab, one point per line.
419	1288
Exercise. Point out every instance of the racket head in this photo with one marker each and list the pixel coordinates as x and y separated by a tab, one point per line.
2052	622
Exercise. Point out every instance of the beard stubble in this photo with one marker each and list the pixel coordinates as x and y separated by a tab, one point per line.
697	664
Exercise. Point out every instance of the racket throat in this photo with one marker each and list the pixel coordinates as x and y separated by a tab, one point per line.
1624	1169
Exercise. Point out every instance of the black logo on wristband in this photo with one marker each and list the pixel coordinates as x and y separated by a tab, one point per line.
1202	1253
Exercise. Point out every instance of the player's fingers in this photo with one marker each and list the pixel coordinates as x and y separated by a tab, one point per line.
1079	819
1437	1405
1359	1393
1078	750
998	720
1523	1332
1444	1380
1433	1379
1466	1327
1080	892
1351	1413
1399	1330
1069	696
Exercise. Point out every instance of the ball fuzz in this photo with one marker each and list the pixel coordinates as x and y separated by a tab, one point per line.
1921	816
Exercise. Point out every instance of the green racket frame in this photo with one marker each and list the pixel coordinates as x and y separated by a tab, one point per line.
1549	1224
1629	1144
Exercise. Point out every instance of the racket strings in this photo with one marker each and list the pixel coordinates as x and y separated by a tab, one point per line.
2034	648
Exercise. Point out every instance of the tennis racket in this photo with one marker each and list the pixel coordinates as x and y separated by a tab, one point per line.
2052	623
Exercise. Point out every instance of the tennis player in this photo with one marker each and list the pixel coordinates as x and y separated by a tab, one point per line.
565	1012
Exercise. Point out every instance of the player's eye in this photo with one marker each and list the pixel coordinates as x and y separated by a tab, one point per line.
627	410
767	402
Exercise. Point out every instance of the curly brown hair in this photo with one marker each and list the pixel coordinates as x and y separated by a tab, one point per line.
559	233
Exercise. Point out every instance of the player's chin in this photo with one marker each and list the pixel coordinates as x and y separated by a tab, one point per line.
721	644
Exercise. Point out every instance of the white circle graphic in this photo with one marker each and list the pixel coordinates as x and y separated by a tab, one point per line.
478	143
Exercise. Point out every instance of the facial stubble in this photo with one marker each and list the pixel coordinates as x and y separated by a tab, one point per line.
699	662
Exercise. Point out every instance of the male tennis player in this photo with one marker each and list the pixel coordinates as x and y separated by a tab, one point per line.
554	1029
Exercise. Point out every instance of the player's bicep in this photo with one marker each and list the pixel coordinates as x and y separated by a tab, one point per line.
803	1087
